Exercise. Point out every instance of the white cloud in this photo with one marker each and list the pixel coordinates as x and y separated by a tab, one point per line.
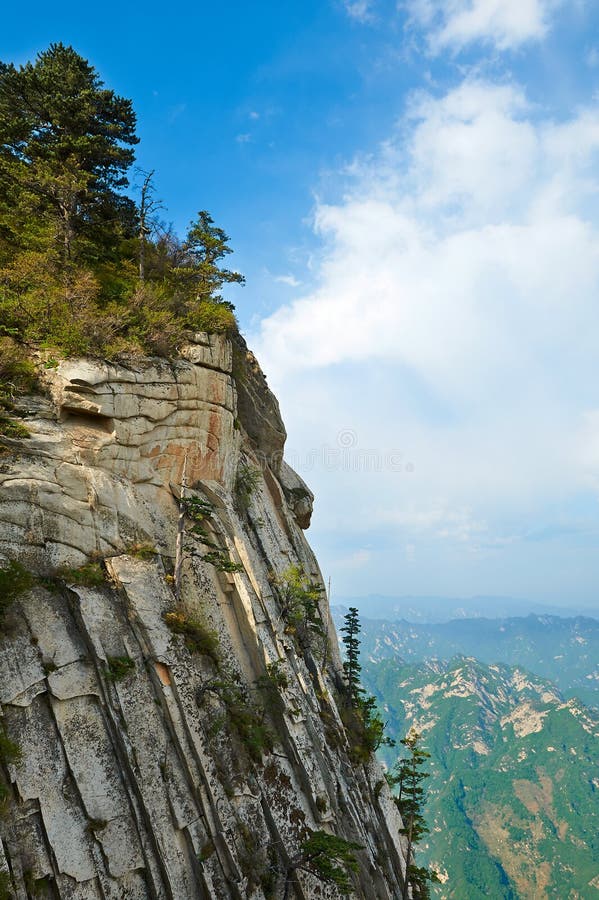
450	242
358	9
289	280
504	23
455	317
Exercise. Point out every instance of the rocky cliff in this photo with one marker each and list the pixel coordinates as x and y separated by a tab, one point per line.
168	678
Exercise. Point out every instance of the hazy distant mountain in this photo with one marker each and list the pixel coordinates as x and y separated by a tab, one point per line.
513	793
443	609
564	650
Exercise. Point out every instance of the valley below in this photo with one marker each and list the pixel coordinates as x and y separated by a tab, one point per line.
514	775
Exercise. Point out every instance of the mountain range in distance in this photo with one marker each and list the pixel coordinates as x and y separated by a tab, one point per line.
512	795
508	708
563	650
431	610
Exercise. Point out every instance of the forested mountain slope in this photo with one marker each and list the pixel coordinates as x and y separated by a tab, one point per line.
512	797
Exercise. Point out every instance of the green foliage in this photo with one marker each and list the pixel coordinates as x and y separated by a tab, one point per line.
5	886
197	509
482	769
13	429
363	723
276	675
17	372
80	270
299	597
220	561
420	877
321	803
197	637
248	479
270	686
17	376
244	715
207	850
119	667
365	729
329	858
143	550
10	752
204	246
213	317
89	575
408	776
65	154
14	581
36	887
351	665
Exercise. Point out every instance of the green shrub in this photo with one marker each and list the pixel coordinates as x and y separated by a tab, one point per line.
11	428
14	581
248	479
197	637
119	667
247	719
270	686
10	752
215	318
243	715
220	561
198	511
89	575
207	850
143	550
321	803
365	731
329	858
37	887
5	886
17	371
276	676
299	597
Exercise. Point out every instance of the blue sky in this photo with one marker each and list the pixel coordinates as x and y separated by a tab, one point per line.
411	190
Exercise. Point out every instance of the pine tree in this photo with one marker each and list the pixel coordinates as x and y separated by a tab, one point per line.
65	148
362	720
351	666
408	776
329	858
82	268
204	246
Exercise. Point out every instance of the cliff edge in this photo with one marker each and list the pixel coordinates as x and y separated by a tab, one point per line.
169	673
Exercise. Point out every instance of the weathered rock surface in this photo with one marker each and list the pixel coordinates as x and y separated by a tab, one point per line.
148	781
258	408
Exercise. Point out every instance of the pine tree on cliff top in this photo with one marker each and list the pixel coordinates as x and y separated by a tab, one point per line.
65	148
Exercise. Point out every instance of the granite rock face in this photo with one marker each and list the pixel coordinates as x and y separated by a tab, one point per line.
179	735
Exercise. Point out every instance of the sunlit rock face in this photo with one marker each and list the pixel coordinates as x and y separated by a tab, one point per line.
109	444
152	766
